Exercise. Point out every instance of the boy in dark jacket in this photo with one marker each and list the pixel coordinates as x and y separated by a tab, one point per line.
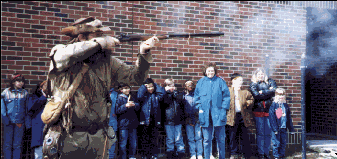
150	95
174	118
280	121
126	111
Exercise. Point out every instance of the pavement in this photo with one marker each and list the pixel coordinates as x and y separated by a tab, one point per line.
327	148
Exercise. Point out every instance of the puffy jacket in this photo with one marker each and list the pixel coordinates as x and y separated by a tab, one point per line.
150	107
174	108
113	116
191	111
127	117
275	123
35	112
14	106
266	95
212	98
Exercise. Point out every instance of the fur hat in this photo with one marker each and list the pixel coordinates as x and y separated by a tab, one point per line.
84	25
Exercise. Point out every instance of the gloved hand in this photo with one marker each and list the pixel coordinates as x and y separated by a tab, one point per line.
107	42
148	44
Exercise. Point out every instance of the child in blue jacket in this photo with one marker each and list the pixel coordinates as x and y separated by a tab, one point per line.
150	95
280	121
126	110
193	129
13	113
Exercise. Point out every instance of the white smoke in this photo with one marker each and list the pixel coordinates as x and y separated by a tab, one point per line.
321	40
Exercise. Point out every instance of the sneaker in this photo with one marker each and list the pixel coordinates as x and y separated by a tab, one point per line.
193	157
234	157
200	157
212	157
266	156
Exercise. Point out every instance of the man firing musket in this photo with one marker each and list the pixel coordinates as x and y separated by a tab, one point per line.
80	76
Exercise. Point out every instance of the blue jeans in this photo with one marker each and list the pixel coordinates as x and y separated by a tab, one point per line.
124	136
12	140
174	137
263	135
279	143
194	139
38	152
220	134
112	150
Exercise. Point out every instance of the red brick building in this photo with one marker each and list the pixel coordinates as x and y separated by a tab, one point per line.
253	30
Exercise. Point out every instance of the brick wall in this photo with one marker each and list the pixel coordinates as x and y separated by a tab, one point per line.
253	30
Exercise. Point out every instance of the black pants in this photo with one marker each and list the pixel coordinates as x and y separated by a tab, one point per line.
149	140
26	142
236	133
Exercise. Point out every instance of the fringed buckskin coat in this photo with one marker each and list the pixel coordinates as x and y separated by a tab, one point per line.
90	107
246	102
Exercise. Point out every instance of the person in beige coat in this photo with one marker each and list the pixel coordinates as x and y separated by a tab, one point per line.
239	118
85	132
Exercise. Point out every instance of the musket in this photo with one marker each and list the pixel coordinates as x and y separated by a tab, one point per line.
142	37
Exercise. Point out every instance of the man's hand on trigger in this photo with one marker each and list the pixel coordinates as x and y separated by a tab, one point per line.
111	42
148	44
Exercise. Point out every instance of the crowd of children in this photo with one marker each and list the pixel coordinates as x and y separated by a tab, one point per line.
208	108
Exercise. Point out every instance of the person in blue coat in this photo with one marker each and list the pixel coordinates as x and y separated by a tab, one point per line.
193	129
13	115
280	120
212	98
113	121
150	95
127	109
36	104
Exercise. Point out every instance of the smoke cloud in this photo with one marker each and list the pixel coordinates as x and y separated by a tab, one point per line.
321	40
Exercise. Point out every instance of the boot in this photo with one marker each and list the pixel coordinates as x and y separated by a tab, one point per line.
261	156
169	155
180	155
266	156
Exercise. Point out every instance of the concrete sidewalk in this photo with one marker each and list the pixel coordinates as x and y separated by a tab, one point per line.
327	148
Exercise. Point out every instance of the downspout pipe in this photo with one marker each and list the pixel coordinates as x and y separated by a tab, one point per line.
303	111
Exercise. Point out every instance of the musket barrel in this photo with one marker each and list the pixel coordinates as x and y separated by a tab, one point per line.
196	34
143	37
